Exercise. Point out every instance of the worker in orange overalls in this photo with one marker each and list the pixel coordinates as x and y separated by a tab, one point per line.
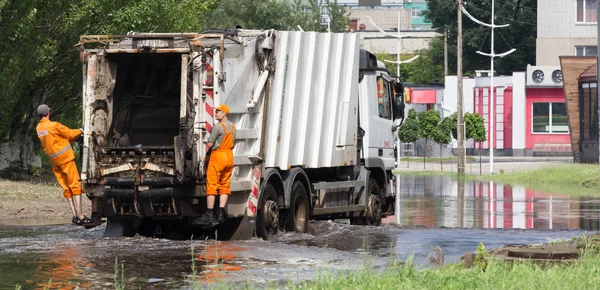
56	138
220	167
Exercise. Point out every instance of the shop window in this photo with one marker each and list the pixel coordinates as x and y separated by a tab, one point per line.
384	98
588	112
550	118
587	11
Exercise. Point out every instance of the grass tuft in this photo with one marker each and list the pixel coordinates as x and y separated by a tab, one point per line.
574	179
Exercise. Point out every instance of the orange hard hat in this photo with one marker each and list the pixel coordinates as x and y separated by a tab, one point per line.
224	108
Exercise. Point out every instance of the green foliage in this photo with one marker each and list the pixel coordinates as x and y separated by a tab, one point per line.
39	65
421	71
442	135
475	127
499	274
276	14
453	119
521	34
410	131
428	122
481	259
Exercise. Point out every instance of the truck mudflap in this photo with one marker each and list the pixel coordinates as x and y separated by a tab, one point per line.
253	198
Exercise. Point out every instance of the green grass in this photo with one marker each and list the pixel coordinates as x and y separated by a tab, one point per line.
575	179
434	159
498	275
488	273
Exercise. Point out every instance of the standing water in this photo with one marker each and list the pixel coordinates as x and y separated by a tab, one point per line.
433	211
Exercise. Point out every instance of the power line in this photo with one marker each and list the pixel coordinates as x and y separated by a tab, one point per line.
505	40
505	18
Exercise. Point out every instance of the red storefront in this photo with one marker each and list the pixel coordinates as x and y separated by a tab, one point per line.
546	118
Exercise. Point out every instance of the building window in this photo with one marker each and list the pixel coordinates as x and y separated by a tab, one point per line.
588	112
586	50
383	98
587	11
416	12
550	118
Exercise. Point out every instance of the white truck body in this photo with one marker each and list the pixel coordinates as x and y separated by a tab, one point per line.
300	102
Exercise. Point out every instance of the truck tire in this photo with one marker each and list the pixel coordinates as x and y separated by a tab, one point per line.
298	215
267	216
373	214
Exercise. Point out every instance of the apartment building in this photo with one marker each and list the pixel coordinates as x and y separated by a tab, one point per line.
417	7
565	28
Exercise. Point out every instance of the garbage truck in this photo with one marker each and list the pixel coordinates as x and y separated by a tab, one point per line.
314	115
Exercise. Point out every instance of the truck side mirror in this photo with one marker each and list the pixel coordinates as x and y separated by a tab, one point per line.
398	104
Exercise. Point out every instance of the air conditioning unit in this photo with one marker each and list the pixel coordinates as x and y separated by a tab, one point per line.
544	76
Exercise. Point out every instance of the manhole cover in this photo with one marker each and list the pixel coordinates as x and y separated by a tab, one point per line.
544	253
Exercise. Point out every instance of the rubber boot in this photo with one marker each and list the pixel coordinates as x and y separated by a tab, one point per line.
207	220
221	216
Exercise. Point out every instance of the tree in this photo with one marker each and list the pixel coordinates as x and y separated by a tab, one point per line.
442	135
409	131
253	14
421	71
521	34
278	15
476	130
38	63
428	122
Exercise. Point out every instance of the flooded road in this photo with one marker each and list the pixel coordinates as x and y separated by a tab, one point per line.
433	211
442	202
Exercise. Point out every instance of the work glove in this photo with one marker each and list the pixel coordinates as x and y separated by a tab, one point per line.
82	130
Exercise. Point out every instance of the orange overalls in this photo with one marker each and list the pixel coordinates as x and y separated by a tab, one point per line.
220	165
56	140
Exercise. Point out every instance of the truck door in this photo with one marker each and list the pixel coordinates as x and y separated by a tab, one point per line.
99	77
382	142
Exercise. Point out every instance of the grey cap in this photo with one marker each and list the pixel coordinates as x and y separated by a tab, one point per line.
43	110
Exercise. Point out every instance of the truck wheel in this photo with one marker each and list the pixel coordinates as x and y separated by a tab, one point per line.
373	214
267	216
298	215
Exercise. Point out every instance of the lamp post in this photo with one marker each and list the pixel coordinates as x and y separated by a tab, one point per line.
398	63
492	94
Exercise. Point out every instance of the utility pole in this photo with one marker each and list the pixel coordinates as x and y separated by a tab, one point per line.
462	158
445	51
492	94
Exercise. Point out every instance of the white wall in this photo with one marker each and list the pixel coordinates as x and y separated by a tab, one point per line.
377	42
518	115
558	31
450	99
558	19
517	80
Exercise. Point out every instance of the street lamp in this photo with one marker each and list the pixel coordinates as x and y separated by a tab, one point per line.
398	63
492	95
399	37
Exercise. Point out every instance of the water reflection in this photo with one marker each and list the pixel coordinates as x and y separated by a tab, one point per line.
437	201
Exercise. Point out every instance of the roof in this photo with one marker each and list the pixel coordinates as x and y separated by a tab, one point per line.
590	74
